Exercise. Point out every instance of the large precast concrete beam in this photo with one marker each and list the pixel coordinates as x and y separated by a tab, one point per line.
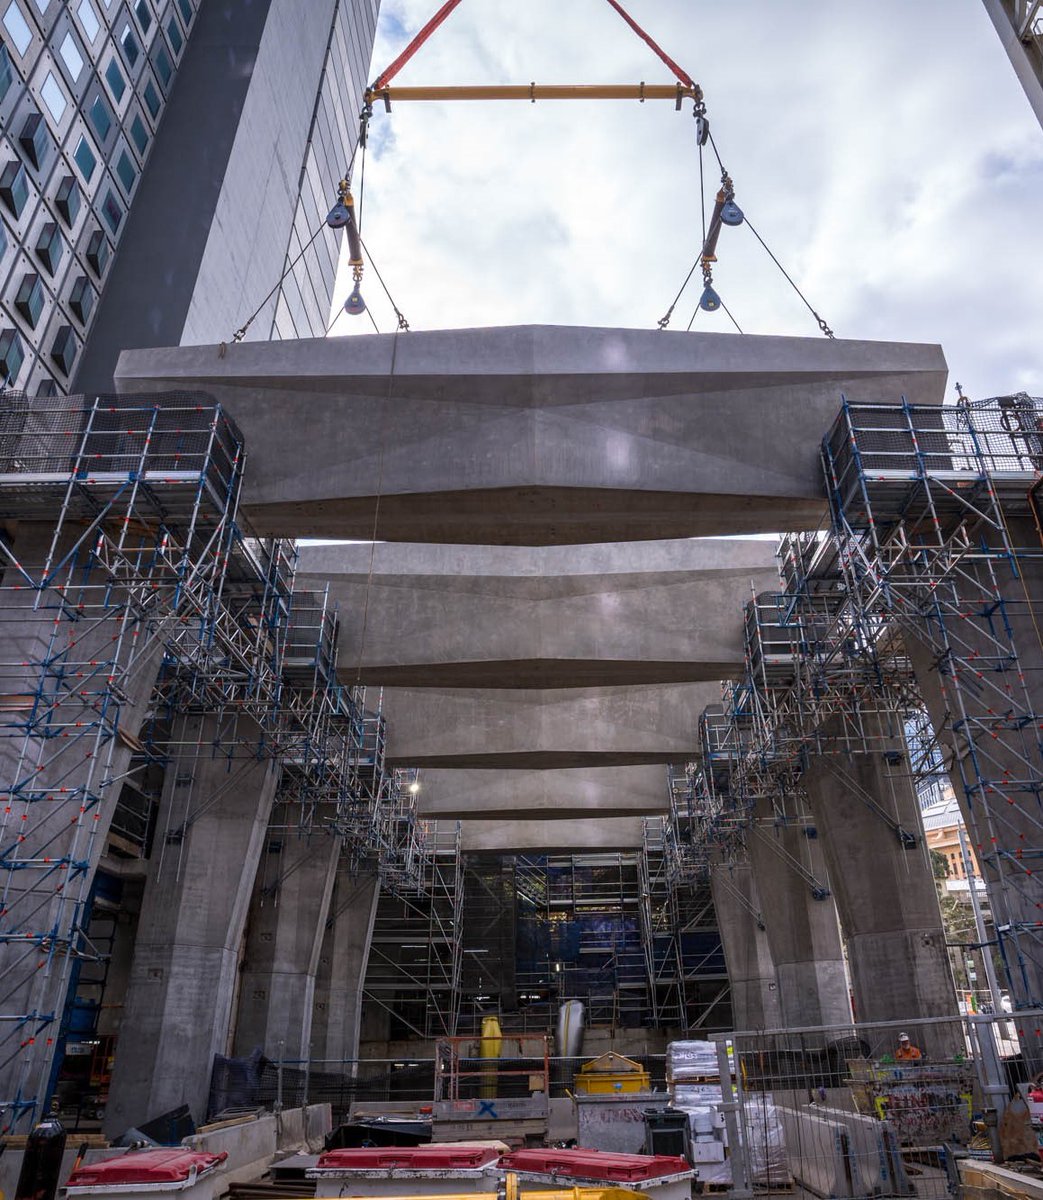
585	797
535	435
538	617
559	727
534	836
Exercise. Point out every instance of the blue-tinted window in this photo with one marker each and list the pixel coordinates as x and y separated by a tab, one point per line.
163	65
130	44
3	240
186	10
125	170
35	140
11	356
98	253
144	15
112	211
101	117
116	81
139	133
17	28
50	247
174	33
63	349
29	298
6	73
14	188
67	200
152	98
81	299
85	159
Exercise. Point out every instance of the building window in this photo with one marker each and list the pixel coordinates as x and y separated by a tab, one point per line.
14	188
42	5
71	55
49	247
114	76
3	240
6	73
130	44
112	211
89	20
97	253
152	98
52	95
17	27
81	299
101	117
35	140
186	10
85	159
144	15
63	349
11	356
29	298
163	65
139	133
174	33
67	200
126	172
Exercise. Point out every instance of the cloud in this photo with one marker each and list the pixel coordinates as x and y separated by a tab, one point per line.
885	152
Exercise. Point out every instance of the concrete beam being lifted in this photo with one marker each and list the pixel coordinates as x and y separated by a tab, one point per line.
536	435
418	616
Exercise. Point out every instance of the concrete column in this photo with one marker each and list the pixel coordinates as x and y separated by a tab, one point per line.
342	966
214	813
803	932
751	970
284	934
866	809
59	756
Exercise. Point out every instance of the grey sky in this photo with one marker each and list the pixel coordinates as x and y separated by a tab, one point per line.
884	150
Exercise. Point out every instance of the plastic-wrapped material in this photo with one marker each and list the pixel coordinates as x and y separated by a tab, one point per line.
691	1060
765	1143
718	1172
694	1095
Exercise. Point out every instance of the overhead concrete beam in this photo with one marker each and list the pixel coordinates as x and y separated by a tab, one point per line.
572	837
588	796
558	727
538	617
536	435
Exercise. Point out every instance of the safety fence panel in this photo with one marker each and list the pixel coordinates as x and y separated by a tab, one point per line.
864	1109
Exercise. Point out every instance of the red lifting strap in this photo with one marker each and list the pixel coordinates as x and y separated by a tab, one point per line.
386	76
684	77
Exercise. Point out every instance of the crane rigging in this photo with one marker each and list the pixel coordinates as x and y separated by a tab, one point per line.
726	211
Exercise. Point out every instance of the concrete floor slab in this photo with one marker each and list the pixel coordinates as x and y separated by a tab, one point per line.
536	435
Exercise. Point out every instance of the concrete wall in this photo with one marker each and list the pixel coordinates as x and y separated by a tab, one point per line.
510	835
537	435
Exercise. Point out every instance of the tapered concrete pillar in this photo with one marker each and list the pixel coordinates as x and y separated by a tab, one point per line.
178	1007
75	668
342	966
747	955
284	935
867	813
803	933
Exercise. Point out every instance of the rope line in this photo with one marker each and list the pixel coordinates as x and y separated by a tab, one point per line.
821	324
403	324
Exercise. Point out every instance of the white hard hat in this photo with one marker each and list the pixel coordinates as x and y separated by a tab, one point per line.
903	1037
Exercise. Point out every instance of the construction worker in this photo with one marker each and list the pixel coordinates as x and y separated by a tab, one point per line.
906	1051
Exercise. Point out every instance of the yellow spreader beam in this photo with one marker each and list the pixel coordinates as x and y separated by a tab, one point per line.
539	91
